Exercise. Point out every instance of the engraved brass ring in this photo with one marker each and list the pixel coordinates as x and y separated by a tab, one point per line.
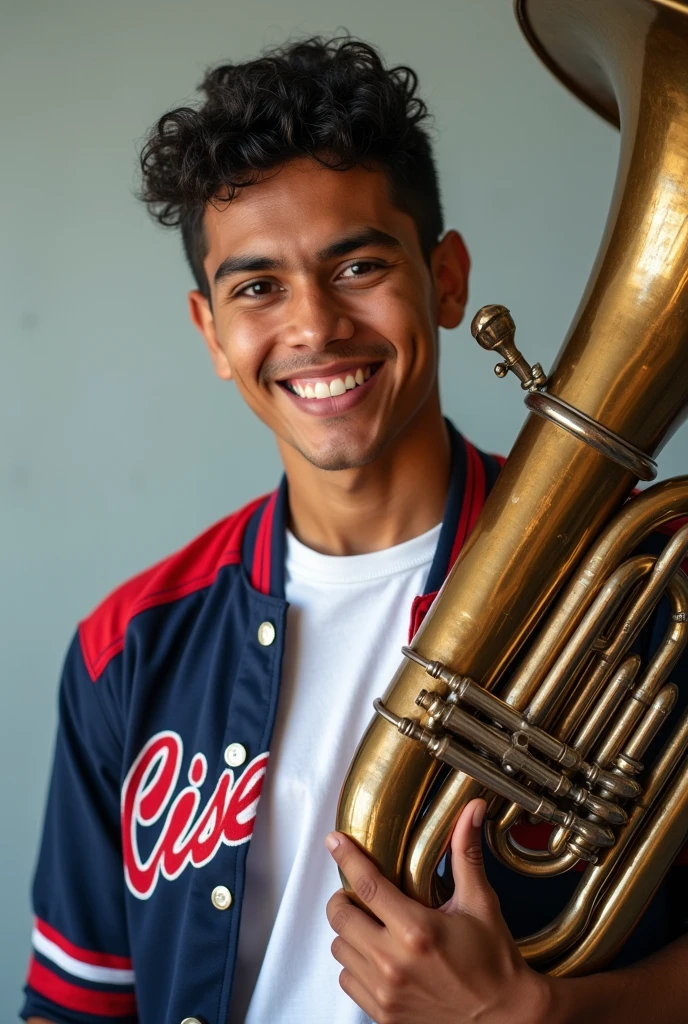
593	433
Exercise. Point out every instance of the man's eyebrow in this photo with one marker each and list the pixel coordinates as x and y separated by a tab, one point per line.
247	263
250	263
368	236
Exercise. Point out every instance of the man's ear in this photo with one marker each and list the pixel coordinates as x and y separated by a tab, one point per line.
450	268
203	320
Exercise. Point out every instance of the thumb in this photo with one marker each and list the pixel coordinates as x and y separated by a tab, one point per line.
473	893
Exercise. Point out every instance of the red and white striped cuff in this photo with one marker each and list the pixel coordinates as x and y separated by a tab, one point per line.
83	968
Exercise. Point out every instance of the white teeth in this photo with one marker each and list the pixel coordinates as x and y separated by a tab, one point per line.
334	388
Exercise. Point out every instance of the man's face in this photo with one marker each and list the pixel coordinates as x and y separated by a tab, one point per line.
324	312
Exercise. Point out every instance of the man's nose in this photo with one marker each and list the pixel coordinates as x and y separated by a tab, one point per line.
314	320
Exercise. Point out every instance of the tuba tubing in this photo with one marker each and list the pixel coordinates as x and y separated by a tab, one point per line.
623	365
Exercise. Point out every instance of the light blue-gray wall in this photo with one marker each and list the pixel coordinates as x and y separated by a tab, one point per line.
118	443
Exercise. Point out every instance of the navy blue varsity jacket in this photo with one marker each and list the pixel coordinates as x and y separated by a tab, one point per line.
167	704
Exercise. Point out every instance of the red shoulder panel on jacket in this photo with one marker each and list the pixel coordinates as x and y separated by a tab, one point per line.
192	568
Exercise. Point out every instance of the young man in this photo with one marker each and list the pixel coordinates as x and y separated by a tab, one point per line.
310	212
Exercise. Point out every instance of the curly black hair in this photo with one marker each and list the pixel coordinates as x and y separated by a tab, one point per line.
333	100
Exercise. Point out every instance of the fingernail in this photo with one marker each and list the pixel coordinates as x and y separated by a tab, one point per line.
479	814
332	841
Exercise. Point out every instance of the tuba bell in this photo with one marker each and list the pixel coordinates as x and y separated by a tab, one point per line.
522	677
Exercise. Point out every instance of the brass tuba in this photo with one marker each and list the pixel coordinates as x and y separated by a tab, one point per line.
557	729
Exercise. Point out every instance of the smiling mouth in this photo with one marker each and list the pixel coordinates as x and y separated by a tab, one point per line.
330	386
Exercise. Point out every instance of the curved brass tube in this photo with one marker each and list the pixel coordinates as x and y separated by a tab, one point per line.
552	941
642	515
543	863
566	929
555	686
536	863
632	888
590	727
639	517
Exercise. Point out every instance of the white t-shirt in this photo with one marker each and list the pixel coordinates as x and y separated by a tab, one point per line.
348	618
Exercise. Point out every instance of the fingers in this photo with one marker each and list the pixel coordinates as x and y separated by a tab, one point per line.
473	893
350	984
370	986
360	977
370	886
355	926
355	963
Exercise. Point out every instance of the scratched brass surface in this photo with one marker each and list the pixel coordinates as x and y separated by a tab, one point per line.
555	644
624	363
574	921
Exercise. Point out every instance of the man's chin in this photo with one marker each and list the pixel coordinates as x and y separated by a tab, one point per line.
341	456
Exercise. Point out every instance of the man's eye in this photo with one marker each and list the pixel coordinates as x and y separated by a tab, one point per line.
256	289
360	268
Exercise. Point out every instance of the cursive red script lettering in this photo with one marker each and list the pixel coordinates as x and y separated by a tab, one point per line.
188	836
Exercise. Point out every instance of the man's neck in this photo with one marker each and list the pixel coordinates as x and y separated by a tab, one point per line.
398	496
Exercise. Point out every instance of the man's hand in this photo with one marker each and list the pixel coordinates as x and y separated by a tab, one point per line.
454	965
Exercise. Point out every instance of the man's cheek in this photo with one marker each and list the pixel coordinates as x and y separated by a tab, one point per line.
255	396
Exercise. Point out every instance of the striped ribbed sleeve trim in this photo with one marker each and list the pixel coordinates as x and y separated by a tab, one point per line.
97	984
